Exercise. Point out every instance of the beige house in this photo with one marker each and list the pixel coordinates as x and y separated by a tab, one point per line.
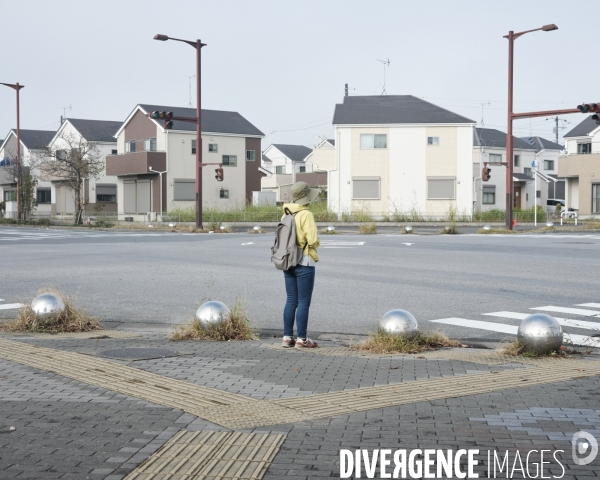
581	168
147	153
399	153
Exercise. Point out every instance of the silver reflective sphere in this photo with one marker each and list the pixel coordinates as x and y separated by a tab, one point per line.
222	227
549	224
256	228
47	305
399	322
330	228
408	229
540	333
487	227
171	224
212	312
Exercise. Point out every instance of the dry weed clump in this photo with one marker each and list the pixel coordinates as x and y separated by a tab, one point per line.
328	232
517	348
259	230
496	231
369	229
382	342
72	319
236	326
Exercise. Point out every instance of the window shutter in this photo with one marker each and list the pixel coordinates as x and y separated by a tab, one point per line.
366	188
184	190
440	188
106	189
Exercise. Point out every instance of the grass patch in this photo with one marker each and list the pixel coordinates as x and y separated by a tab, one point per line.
260	230
30	221
496	231
382	342
72	319
328	232
236	326
449	230
369	229
102	224
517	348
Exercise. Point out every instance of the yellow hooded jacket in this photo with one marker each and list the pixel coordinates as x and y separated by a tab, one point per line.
306	229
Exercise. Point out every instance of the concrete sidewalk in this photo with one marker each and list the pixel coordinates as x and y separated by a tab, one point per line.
254	410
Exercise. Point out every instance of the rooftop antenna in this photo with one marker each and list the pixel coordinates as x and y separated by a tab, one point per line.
190	89
385	63
482	106
64	115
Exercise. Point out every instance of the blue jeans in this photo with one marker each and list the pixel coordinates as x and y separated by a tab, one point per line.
299	283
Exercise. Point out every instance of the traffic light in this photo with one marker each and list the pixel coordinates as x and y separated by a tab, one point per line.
485	173
588	107
596	118
219	174
166	116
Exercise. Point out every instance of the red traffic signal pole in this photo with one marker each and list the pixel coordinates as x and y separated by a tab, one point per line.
17	87
198	46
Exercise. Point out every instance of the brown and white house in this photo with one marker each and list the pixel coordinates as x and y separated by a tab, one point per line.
145	148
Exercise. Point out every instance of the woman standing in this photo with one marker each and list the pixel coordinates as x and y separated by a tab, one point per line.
300	280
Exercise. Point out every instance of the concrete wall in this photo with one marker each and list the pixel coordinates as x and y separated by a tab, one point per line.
581	172
323	158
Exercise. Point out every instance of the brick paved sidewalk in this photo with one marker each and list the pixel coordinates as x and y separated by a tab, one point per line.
80	428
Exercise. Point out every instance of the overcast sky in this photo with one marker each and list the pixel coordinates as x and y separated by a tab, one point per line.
283	64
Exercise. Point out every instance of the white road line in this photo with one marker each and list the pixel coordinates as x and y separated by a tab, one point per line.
409	244
573	311
10	306
338	247
513	330
343	243
567	322
592	305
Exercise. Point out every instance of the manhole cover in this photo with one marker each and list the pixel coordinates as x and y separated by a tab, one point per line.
138	353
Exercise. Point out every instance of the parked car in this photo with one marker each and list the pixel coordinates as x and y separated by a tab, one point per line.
553	202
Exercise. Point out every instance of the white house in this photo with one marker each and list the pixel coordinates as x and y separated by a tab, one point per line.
399	153
100	193
284	163
146	147
322	157
33	142
548	155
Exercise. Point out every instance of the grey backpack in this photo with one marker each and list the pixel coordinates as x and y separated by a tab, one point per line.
285	253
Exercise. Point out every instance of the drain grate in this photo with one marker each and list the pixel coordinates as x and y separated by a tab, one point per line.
138	353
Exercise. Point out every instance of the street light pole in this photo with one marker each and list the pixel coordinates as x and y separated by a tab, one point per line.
198	46
512	36
17	87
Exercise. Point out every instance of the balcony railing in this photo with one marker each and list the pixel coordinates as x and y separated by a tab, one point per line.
145	145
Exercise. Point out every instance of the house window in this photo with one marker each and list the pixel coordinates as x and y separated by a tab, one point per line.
596	198
433	141
366	188
106	193
548	164
538	194
113	152
489	195
517	160
184	190
43	195
583	148
61	154
527	171
212	147
10	195
280	169
193	147
5	162
150	144
250	155
230	160
369	141
223	193
130	147
495	158
302	170
526	197
440	188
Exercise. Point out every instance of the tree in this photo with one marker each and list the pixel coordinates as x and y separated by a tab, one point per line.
72	160
27	181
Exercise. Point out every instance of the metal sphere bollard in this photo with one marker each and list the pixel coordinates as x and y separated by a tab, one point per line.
549	224
330	228
399	322
256	228
408	229
540	333
487	228
171	224
212	312
47	305
222	227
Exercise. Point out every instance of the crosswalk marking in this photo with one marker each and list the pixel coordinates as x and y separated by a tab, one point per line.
341	244
592	305
567	322
513	330
574	311
10	306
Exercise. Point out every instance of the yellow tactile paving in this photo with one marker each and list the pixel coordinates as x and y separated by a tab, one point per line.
238	412
208	455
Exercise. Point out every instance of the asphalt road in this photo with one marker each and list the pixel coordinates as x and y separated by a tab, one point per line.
161	278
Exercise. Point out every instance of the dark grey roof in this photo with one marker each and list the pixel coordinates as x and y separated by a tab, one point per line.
332	141
583	129
542	144
388	109
490	137
216	121
265	158
35	139
296	153
96	130
521	177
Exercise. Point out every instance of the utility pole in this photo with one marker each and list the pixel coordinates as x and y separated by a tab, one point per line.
17	87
